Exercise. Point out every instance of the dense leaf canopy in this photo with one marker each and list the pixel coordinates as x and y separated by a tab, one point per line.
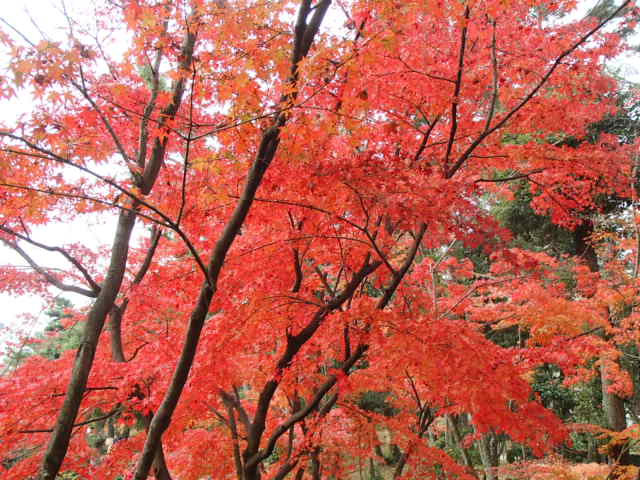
350	238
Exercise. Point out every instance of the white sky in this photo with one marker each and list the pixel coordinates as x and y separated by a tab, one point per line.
24	14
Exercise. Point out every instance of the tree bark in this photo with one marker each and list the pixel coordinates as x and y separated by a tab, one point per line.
612	404
457	441
59	441
488	456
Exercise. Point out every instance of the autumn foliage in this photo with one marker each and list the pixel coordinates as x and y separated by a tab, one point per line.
300	193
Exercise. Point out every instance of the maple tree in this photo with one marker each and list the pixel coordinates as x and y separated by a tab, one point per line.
291	289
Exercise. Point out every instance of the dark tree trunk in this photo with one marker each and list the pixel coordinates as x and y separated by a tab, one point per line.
612	404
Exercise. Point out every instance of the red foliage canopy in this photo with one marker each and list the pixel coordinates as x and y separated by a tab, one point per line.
302	185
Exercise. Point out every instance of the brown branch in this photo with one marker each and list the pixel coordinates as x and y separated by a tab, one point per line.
414	390
494	69
346	366
46	154
323	279
399	275
92	283
151	105
168	223
410	69
156	234
152	166
297	267
187	153
456	91
425	139
229	402
294	344
59	441
82	88
88	389
76	425
285	469
308	206
136	351
47	276
510	178
78	196
309	407
242	413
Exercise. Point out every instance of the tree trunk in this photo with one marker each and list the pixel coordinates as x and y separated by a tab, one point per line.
59	441
159	468
613	407
488	456
452	428
612	404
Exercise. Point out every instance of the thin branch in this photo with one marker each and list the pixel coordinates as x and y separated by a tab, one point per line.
48	277
22	35
425	140
153	165
511	178
308	408
151	105
494	69
456	91
136	351
414	389
382	256
297	268
156	234
185	167
78	196
310	207
323	279
294	344
82	88
88	389
303	38
410	69
399	275
92	283
49	155
81	424
533	92
244	417
46	154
